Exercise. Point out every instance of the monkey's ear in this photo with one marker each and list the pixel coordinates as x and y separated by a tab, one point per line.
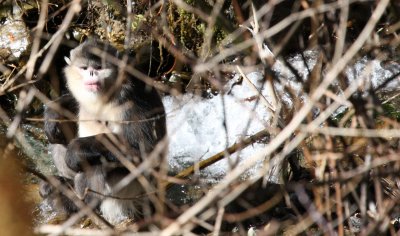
67	60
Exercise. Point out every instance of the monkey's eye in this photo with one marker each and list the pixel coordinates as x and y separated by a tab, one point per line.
97	67
83	67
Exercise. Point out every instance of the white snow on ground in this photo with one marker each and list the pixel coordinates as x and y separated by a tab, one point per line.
375	73
196	125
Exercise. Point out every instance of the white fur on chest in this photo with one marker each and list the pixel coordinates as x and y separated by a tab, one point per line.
98	118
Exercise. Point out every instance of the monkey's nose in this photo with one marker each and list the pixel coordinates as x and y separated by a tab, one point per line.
91	71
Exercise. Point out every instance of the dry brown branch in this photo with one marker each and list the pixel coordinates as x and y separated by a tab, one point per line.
289	129
53	44
219	156
333	161
223	54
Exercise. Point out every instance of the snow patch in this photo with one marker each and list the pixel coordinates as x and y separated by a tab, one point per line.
199	128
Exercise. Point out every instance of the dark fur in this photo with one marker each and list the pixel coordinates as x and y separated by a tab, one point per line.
147	116
56	128
85	160
60	129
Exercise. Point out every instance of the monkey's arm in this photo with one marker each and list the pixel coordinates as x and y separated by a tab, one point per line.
55	115
136	138
88	151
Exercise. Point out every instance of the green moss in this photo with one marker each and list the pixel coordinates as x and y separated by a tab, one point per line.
189	29
391	111
137	21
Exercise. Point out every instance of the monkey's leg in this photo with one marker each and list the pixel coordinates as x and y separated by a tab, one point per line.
115	206
58	153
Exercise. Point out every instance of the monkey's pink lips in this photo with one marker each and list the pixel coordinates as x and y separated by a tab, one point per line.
92	85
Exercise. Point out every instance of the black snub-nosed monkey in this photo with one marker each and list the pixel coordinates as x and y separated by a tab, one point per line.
124	113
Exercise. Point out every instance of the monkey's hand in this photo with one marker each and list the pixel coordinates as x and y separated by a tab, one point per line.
82	153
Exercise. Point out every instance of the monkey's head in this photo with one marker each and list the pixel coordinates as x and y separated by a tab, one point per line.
89	72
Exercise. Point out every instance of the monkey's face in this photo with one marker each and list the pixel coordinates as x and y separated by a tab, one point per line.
89	68
89	76
94	77
88	80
